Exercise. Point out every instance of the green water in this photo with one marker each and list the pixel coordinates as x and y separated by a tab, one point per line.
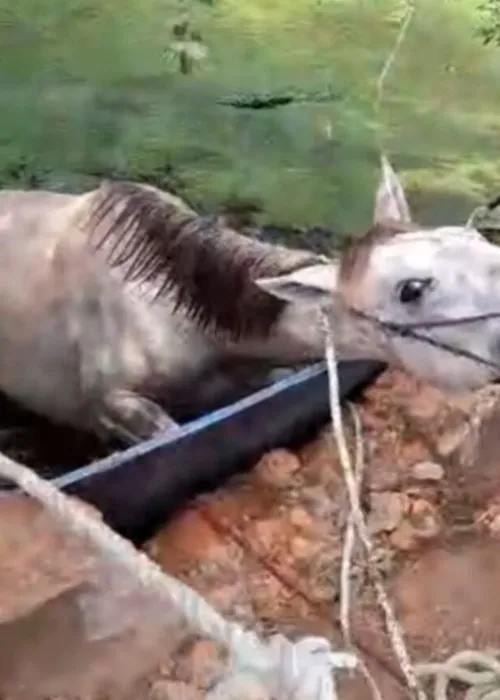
94	87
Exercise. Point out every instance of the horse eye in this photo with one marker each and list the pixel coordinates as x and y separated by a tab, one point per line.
411	291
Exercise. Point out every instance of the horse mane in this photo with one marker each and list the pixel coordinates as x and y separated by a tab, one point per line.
356	255
209	269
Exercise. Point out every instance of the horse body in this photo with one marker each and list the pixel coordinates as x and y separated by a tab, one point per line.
122	296
85	341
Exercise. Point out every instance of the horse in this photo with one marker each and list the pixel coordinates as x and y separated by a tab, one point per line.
123	298
425	300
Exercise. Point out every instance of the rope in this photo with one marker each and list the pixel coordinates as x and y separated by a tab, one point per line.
381	81
302	670
393	628
484	681
484	684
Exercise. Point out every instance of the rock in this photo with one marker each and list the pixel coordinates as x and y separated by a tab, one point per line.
474	457
266	534
305	548
463	431
404	537
203	665
425	406
276	467
451	441
387	511
422	523
424	518
494	526
489	519
301	519
316	528
427	471
267	595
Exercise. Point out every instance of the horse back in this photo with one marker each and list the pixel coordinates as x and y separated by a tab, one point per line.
26	214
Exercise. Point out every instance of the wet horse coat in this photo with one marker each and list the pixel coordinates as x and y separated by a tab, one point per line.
124	294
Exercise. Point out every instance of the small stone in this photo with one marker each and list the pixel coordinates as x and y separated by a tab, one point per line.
404	537
277	467
452	440
205	663
225	595
266	534
300	548
305	524
427	471
383	558
494	525
489	519
268	595
425	406
301	519
424	518
387	510
305	548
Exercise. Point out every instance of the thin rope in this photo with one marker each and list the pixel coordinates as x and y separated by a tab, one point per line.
407	330
350	536
484	683
347	553
392	625
384	73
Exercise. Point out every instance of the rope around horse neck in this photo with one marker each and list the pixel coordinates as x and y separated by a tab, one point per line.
407	330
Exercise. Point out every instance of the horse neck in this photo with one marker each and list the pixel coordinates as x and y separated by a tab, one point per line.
270	258
206	269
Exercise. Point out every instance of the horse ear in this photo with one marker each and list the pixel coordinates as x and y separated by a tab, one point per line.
313	285
390	199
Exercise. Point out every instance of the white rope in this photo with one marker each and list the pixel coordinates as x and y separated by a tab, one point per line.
483	682
394	630
384	73
347	553
350	539
303	670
